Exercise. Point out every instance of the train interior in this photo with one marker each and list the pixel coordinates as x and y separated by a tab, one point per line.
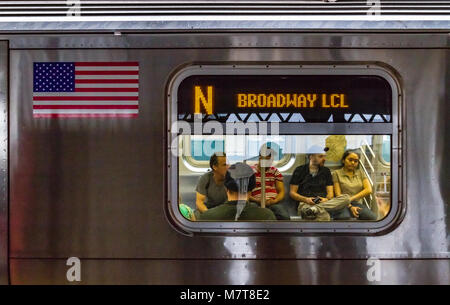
374	151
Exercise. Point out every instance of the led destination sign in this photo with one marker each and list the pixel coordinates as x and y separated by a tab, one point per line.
315	97
280	100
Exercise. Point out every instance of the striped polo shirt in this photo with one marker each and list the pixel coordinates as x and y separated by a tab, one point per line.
272	175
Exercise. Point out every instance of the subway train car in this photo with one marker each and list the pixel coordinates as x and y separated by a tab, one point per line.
110	112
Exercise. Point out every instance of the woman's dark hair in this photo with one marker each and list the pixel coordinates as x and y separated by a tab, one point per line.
214	160
233	184
348	152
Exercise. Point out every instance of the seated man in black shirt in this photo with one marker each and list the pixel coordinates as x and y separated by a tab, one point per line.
312	185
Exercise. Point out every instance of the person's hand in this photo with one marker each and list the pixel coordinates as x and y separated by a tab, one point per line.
309	200
355	211
322	199
257	200
270	201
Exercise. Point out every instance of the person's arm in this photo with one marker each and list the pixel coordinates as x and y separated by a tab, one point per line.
280	193
297	197
328	186
330	194
201	191
200	202
337	189
254	199
367	190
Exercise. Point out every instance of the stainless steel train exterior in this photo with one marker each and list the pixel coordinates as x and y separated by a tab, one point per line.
96	189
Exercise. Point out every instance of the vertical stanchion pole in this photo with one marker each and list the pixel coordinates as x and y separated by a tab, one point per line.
263	186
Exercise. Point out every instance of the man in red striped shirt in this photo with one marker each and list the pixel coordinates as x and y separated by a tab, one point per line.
273	181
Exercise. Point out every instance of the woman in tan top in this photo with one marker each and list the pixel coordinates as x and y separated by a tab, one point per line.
352	181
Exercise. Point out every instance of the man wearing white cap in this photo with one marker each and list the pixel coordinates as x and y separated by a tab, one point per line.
312	186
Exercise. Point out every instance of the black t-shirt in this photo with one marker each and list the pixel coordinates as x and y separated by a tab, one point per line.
310	186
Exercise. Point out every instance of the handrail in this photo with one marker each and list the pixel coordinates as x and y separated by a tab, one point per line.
368	146
368	160
367	174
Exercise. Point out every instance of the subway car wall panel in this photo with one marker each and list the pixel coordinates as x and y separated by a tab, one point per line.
3	162
93	188
232	272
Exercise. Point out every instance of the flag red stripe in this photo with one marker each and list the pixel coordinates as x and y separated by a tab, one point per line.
106	72
115	64
106	89
85	115
106	81
85	98
85	106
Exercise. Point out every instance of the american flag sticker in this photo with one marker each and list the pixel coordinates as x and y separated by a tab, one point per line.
85	89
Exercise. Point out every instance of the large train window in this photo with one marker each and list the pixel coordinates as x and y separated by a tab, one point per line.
283	149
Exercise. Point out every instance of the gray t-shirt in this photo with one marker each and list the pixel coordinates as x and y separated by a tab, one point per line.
215	194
